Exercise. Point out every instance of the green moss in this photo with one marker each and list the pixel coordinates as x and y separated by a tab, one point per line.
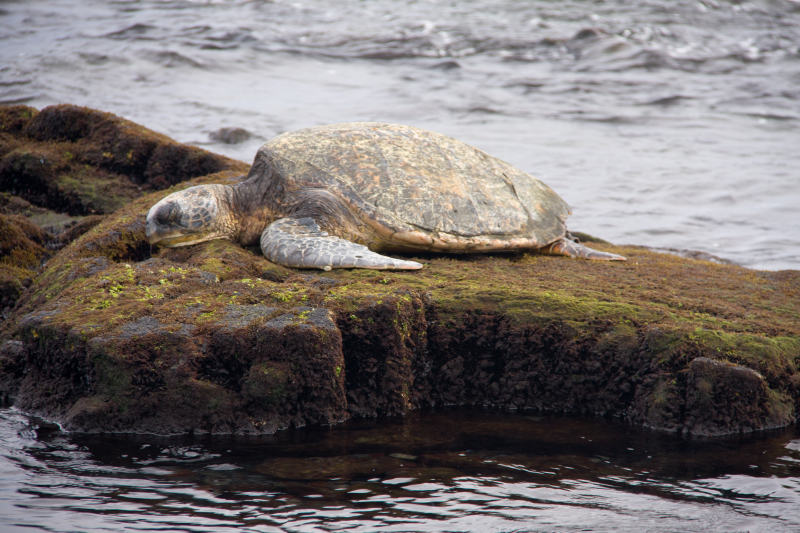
780	407
18	243
98	192
14	118
775	358
216	266
283	296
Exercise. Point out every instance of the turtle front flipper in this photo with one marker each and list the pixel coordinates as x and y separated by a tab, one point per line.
301	243
576	249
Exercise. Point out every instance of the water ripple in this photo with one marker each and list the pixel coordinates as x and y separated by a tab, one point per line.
496	473
700	95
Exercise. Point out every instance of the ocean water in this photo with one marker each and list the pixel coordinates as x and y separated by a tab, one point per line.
672	124
667	124
457	471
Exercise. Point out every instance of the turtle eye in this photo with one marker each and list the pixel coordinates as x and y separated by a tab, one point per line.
167	214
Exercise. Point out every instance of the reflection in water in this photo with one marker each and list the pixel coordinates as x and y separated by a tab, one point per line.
455	471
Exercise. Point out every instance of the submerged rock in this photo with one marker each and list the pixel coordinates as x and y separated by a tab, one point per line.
114	336
230	135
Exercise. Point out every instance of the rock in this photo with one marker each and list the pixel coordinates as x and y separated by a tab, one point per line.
21	253
723	398
115	336
81	161
230	135
12	366
712	398
63	168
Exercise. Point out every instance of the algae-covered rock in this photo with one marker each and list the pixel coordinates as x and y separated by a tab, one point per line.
114	335
63	168
82	161
21	253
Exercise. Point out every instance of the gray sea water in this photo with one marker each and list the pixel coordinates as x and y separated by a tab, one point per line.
671	124
456	471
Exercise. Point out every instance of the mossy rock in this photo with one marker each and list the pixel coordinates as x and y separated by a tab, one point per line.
63	168
21	242
22	251
636	340
81	161
114	335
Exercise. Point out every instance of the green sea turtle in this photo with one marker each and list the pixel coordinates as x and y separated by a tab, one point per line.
339	196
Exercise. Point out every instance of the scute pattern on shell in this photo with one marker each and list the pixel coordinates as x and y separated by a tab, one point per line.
408	179
203	207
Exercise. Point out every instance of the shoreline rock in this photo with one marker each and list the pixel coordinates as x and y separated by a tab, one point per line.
112	336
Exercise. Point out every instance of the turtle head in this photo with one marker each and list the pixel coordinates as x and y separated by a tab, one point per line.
193	215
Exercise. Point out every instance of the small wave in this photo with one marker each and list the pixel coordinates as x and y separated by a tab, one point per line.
15	91
136	31
620	57
95	59
527	86
237	36
197	29
11	83
776	112
374	47
588	33
413	42
764	101
208	38
14	100
408	47
661	231
446	65
215	46
666	101
484	110
603	118
771	116
171	59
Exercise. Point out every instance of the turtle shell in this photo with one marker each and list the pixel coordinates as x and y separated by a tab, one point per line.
409	180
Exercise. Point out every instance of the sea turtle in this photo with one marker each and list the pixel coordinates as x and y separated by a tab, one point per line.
339	196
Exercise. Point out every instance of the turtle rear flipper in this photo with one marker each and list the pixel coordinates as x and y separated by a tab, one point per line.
301	243
576	249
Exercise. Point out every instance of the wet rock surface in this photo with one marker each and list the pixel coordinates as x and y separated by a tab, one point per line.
106	334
